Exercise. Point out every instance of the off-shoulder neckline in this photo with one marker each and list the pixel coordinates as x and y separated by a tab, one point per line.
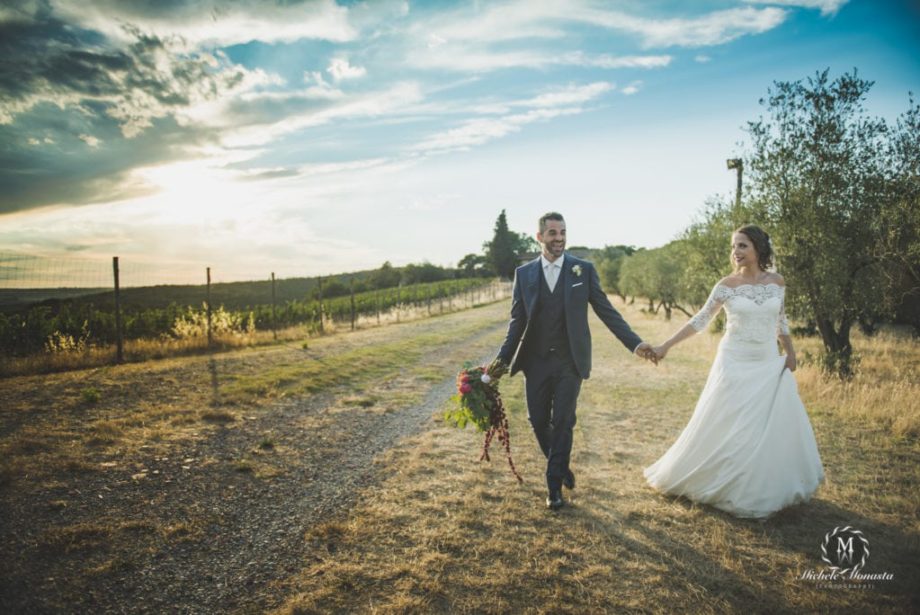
758	284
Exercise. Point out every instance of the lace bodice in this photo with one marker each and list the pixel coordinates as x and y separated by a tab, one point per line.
755	311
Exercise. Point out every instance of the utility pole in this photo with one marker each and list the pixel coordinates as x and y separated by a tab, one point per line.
738	165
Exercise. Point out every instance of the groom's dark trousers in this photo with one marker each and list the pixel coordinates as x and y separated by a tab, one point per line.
552	386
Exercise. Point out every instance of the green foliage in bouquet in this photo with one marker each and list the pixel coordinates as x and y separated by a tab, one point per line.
473	401
479	402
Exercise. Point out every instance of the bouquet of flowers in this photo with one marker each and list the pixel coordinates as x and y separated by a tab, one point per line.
479	402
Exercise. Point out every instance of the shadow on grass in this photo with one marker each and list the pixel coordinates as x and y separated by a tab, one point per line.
795	534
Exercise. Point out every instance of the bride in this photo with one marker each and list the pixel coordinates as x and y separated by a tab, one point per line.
749	448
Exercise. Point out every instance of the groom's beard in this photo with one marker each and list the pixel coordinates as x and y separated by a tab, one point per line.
555	250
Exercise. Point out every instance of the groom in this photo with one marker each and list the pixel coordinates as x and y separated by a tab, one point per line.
548	339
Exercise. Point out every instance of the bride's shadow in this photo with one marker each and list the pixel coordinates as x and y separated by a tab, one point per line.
894	549
798	530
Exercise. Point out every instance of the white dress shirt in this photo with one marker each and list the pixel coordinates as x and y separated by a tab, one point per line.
552	270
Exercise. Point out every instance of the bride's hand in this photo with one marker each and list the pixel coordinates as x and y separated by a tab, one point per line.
645	351
660	351
791	362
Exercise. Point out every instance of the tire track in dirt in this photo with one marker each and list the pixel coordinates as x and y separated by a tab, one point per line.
239	535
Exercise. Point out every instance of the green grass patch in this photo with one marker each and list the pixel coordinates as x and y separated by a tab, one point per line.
380	362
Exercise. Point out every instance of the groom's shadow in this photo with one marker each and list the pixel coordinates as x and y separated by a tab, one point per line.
798	530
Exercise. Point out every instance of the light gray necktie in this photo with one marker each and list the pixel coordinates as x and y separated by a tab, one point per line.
551	276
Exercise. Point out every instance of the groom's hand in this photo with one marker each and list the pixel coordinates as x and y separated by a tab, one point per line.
497	368
645	351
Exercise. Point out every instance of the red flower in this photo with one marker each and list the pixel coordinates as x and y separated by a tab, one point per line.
465	388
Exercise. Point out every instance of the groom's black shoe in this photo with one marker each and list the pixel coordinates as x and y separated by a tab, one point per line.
554	500
569	480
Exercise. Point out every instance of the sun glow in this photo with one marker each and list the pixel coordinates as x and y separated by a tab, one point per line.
197	192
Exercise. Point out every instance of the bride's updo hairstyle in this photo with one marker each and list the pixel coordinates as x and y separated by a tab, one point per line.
761	241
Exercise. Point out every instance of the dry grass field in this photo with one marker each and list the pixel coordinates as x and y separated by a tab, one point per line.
448	534
103	498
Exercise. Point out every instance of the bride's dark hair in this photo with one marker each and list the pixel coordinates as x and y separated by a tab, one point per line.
761	241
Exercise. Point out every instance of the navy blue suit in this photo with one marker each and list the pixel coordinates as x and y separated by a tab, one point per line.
555	360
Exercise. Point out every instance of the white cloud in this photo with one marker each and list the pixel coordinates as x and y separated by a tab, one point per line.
524	19
480	130
467	40
578	58
713	28
90	140
149	79
435	41
340	69
632	88
272	115
702	58
457	58
827	7
433	203
546	106
499	22
570	95
212	22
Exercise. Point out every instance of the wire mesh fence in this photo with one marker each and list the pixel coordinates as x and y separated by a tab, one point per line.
62	313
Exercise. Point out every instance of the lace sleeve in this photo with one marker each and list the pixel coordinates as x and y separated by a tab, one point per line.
782	325
711	308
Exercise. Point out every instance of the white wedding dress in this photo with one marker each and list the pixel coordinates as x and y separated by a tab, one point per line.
749	448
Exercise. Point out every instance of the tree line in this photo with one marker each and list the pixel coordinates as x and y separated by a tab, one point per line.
839	193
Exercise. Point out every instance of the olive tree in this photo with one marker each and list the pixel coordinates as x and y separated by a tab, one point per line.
820	173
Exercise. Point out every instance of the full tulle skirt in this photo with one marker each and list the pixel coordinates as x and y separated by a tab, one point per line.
748	448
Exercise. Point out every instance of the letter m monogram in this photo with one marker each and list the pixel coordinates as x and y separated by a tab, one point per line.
845	549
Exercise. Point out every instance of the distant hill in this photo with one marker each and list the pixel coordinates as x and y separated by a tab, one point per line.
232	295
16	298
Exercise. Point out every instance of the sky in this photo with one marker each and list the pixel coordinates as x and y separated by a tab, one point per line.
318	137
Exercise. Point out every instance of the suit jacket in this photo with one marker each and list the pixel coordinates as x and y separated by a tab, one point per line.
580	290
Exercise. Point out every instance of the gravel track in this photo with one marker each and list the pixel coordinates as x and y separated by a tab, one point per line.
243	534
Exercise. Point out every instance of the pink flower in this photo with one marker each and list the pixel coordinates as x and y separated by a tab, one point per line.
465	388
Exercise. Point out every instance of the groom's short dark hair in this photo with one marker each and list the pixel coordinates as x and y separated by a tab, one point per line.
553	215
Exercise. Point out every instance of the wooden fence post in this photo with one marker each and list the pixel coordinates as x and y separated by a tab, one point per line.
208	306
274	321
119	333
352	304
320	280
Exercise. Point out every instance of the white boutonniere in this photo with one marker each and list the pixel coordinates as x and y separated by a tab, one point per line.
577	270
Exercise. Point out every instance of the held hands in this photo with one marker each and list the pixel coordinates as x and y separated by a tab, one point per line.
650	353
646	351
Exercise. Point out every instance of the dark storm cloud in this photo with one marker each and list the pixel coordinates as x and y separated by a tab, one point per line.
78	111
43	160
